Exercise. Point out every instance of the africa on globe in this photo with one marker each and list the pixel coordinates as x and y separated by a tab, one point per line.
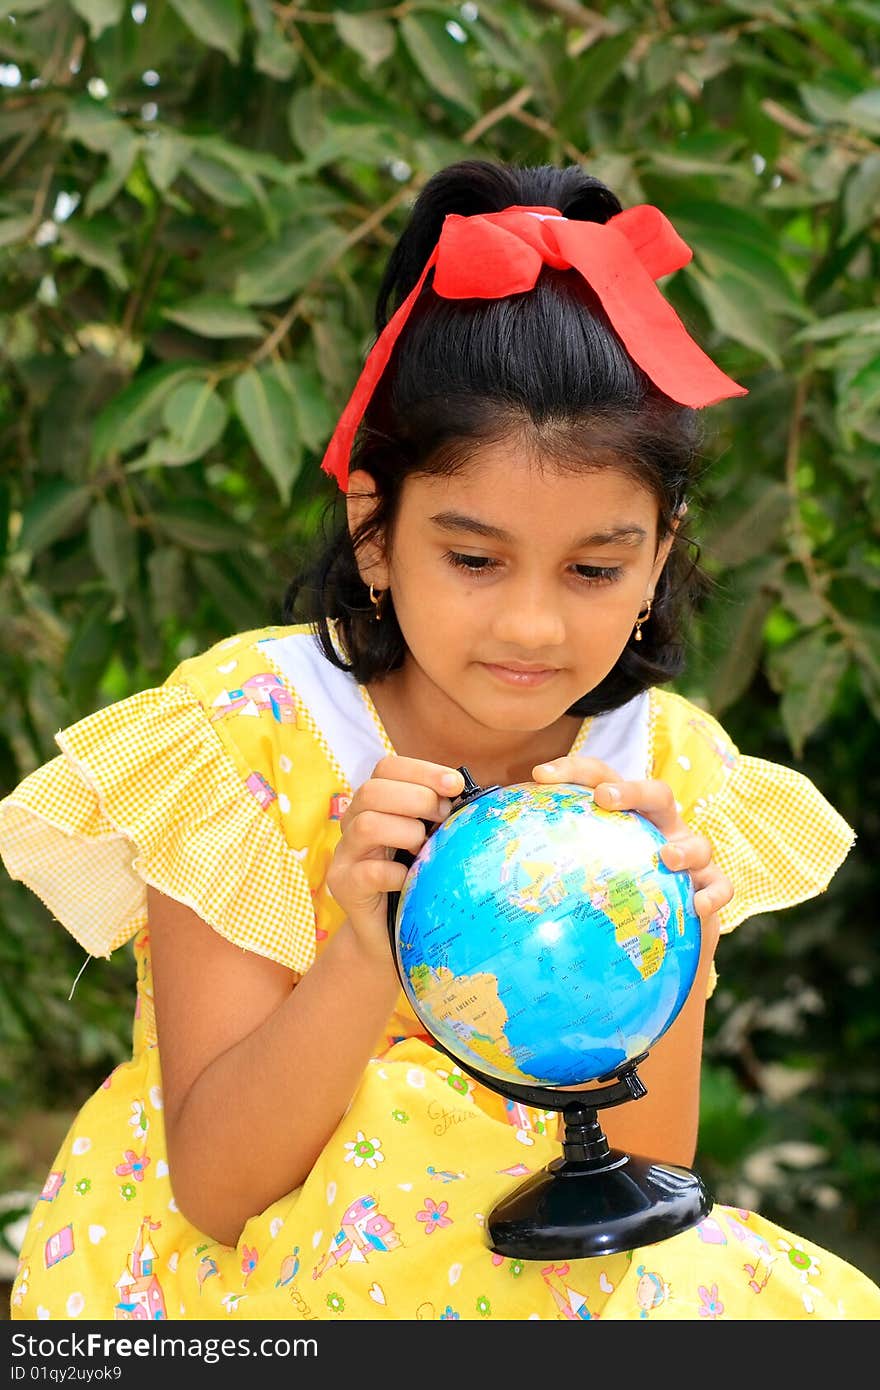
541	940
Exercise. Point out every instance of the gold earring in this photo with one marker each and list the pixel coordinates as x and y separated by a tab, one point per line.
642	618
376	598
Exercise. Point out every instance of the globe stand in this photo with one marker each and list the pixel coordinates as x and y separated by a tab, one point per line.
594	1200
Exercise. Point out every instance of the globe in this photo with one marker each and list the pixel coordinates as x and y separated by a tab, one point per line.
540	939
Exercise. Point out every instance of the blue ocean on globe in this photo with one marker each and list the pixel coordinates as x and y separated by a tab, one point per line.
540	939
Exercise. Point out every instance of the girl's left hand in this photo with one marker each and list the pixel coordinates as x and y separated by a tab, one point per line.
653	799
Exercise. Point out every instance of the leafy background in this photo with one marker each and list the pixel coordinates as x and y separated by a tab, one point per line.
196	200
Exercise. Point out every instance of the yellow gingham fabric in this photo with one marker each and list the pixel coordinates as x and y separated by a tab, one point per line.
149	790
773	833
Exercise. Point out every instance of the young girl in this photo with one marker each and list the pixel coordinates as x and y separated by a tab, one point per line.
506	592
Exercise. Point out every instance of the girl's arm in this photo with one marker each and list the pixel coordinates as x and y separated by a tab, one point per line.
257	1068
664	1124
256	1073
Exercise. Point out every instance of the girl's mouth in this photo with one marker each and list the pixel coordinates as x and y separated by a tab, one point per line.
526	677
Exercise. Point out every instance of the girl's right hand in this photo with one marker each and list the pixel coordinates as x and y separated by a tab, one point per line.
387	812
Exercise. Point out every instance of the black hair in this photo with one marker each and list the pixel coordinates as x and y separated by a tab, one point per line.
546	367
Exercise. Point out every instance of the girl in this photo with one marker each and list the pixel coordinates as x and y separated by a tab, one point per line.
506	592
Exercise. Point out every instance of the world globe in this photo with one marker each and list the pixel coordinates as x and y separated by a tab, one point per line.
540	939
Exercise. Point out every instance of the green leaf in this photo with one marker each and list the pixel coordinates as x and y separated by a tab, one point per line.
266	411
113	545
131	416
165	154
372	39
505	54
230	591
218	23
801	602
807	672
826	104
96	245
728	241
103	132
195	417
738	311
864	111
279	268
439	59
165	568
861	197
337	357
846	57
675	162
100	14
859	402
746	534
305	117
218	181
89	650
314	416
20	7
251	164
275	56
867	653
212	316
51	513
96	127
593	72
119	165
743	642
851	322
198	525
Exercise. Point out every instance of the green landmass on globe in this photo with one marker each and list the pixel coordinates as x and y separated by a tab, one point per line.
541	940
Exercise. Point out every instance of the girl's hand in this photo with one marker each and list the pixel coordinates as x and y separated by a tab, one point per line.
392	810
653	799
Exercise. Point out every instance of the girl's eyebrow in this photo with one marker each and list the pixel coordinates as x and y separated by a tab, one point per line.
617	535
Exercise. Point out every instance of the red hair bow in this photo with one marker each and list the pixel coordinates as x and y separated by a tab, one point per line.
492	255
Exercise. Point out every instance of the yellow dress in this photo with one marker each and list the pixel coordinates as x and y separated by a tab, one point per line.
224	788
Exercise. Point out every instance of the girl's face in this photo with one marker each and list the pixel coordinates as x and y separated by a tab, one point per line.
516	586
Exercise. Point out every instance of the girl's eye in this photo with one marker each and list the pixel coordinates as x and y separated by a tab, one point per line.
484	564
598	574
474	564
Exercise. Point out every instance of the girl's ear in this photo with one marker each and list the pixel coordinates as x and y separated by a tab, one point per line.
663	551
360	503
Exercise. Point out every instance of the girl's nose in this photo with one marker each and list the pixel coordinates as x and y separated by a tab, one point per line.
528	621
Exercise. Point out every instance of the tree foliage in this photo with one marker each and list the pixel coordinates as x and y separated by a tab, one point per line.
196	201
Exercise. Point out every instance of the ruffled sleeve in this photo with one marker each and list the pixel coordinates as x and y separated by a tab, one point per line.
149	791
773	833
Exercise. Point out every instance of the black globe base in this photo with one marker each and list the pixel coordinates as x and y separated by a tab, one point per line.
595	1201
571	1215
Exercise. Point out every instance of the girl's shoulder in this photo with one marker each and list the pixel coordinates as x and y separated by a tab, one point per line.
222	787
273	694
690	749
239	668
